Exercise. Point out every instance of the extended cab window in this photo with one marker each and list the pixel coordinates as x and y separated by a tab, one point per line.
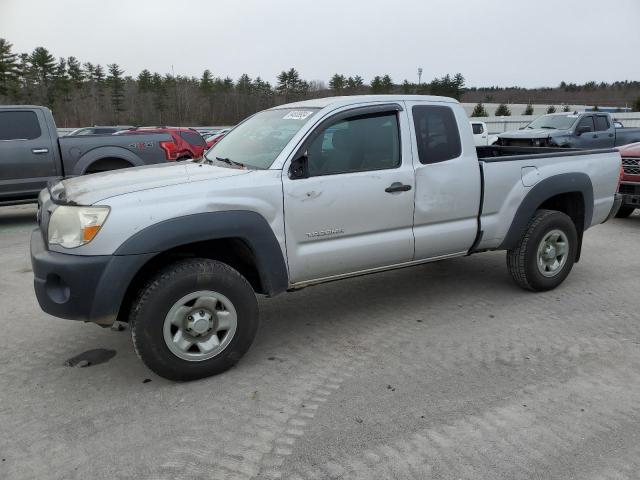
357	144
19	126
437	133
477	128
586	122
602	123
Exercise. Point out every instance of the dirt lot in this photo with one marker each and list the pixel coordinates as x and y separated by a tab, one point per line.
446	370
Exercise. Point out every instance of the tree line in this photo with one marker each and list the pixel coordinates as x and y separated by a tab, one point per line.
84	93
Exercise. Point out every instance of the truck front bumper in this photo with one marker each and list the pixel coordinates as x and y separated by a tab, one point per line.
78	287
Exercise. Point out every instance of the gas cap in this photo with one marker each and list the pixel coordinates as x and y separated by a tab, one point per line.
530	176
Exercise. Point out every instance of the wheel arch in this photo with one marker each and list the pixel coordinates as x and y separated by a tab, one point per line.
570	193
242	239
98	154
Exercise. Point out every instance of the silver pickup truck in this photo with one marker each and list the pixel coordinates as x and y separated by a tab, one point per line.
298	195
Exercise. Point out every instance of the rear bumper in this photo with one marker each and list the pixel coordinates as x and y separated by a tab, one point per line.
77	287
617	203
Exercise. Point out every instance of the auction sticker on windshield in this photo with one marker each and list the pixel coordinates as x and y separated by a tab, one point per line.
297	115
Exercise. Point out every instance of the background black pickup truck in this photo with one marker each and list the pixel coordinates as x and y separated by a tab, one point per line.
31	153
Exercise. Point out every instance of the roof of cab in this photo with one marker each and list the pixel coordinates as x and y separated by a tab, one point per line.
355	99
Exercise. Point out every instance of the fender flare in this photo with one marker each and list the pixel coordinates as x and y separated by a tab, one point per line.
543	191
92	156
248	226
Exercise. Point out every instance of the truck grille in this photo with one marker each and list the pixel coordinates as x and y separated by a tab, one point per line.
631	166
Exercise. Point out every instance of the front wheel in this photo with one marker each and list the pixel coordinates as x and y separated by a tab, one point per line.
545	253
196	318
624	212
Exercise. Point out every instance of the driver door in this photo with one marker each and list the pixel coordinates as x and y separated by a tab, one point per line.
354	210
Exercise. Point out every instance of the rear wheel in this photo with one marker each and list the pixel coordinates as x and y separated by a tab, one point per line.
545	253
195	319
624	212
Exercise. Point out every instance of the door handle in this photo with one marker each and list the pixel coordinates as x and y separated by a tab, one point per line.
611	135
39	150
397	187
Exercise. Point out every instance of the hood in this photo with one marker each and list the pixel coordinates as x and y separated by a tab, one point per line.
90	189
533	133
631	150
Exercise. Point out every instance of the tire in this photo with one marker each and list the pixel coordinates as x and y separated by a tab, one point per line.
624	212
190	296
532	263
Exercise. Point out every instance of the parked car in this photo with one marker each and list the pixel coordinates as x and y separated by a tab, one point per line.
188	142
298	195
481	135
216	137
99	130
32	154
571	130
630	185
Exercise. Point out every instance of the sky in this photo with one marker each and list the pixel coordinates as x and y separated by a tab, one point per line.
529	43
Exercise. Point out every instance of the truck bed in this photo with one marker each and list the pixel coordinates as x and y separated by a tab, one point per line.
496	153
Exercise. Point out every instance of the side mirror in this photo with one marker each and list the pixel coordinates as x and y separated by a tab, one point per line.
581	130
299	168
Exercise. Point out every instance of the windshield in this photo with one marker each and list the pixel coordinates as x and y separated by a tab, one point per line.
257	142
555	122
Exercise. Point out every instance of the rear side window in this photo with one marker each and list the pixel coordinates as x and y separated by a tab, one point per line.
193	138
437	133
477	128
587	122
19	126
602	123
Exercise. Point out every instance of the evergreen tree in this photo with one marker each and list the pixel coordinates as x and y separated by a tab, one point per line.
386	84
76	75
338	83
407	87
354	84
376	84
636	105
261	87
145	81
528	110
42	70
551	109
8	67
244	84
566	108
116	83
289	83
479	111
159	95
503	111
61	83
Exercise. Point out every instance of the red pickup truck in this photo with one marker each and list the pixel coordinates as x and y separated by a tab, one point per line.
630	184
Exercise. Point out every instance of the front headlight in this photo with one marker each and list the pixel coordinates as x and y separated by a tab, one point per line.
71	226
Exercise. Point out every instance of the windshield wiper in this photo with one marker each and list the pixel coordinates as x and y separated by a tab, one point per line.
548	128
231	162
228	161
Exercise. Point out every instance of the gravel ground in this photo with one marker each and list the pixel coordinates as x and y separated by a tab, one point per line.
445	370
